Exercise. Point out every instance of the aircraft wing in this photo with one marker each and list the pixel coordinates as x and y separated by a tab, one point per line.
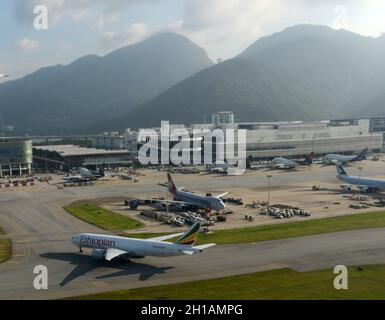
188	252
205	246
197	249
179	202
222	195
167	237
112	253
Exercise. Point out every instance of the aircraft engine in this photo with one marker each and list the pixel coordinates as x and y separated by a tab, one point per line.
346	188
98	254
363	189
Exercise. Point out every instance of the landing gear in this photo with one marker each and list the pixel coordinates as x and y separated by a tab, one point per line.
80	250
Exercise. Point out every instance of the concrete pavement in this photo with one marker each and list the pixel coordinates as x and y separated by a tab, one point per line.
40	230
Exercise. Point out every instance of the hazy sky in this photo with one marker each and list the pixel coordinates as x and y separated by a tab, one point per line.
223	27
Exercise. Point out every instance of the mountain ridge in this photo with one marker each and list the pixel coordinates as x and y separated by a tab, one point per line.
61	98
325	75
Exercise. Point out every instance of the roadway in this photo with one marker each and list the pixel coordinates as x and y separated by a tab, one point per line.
40	230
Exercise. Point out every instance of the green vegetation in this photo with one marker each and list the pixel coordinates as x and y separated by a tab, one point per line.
102	218
1	232
5	250
109	220
290	230
364	283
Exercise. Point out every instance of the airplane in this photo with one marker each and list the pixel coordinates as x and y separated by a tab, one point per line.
341	159
364	184
76	179
112	247
229	169
283	163
220	167
3	76
124	176
85	173
207	202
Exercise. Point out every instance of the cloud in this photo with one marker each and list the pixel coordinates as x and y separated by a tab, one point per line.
100	10
106	18
226	27
133	33
27	44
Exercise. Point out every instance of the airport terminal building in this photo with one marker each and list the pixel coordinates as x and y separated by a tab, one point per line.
15	157
66	157
267	140
300	139
291	139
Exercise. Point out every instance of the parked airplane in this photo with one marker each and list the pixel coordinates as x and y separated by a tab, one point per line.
364	184
124	176
283	163
85	173
76	179
207	202
111	247
219	167
341	159
229	169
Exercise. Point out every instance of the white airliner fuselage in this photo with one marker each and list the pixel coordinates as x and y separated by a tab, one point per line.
205	202
342	159
363	183
282	163
135	248
110	247
85	173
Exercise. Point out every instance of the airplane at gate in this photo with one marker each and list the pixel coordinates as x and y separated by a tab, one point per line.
205	202
341	159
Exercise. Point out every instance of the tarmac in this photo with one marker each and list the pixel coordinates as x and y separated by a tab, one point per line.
40	230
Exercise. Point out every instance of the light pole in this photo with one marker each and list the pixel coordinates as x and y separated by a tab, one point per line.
269	190
359	190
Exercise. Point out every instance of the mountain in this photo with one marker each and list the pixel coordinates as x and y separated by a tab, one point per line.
289	34
302	73
62	99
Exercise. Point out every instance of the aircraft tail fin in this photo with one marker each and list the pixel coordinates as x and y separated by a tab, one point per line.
190	236
171	185
309	158
363	154
341	171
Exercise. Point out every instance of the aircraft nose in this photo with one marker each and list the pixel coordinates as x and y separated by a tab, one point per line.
74	239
